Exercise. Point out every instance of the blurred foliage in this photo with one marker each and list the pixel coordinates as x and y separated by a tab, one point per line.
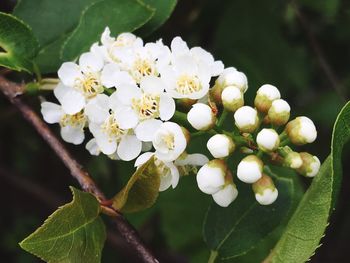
266	40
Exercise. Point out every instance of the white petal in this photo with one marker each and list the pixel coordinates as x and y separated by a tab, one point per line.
97	109
72	134
175	175
61	90
92	147
51	112
126	118
106	145
145	130
196	159
178	46
152	84
90	62
106	38
68	73
143	158
129	148
127	93
72	102
217	68
165	181
166	107
108	77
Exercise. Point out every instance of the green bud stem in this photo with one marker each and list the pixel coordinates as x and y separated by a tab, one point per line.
180	118
222	118
285	142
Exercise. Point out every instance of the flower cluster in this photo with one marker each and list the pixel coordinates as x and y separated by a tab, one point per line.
124	92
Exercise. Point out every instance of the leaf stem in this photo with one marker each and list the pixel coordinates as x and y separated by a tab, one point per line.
213	256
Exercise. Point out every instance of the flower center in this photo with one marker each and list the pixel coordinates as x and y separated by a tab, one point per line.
111	128
76	120
188	84
89	85
143	67
147	106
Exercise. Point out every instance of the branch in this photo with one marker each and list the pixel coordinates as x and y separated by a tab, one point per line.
317	49
11	90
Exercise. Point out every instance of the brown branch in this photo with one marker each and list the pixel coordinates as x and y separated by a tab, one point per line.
12	91
317	49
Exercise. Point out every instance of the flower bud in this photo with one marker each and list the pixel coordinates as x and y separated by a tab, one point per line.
232	98
220	145
311	165
279	112
232	77
293	160
301	130
211	176
226	195
268	140
250	169
265	191
246	119
265	95
201	117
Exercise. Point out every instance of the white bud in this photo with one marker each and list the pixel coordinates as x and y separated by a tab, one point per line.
311	165
293	160
232	77
201	117
226	195
232	98
279	112
246	119
250	169
211	176
301	130
220	145
268	140
265	95
265	190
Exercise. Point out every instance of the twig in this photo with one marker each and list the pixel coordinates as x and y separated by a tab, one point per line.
317	49
11	90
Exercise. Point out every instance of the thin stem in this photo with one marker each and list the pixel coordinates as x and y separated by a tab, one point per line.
37	72
11	90
222	118
213	256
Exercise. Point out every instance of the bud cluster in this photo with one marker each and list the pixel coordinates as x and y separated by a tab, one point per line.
127	95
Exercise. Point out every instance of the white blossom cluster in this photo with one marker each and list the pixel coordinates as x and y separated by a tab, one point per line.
124	92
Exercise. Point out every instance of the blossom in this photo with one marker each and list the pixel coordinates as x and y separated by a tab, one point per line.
225	196
301	130
265	191
249	170
310	166
246	119
110	137
265	95
141	108
220	145
268	140
279	112
232	98
211	176
169	142
72	125
79	82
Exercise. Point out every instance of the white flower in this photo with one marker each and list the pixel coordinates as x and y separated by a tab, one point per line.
211	176
232	77
72	126
169	142
169	174
220	145
268	140
201	117
188	163
225	196
79	82
185	78
140	108
311	165
250	169
301	130
265	191
279	112
110	137
265	95
92	147
232	98
246	119
112	76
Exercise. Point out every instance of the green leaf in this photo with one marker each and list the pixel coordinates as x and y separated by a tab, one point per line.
141	190
51	22
235	230
119	15
17	42
307	226
163	10
73	233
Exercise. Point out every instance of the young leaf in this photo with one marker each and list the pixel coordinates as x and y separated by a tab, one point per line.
119	15
18	43
141	190
73	233
237	229
306	228
163	10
